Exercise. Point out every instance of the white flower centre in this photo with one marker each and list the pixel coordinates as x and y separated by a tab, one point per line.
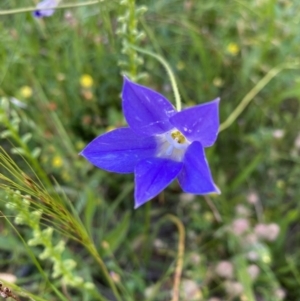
172	145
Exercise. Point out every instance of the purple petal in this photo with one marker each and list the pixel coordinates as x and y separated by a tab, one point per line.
145	110
119	150
152	176
195	176
41	8
199	123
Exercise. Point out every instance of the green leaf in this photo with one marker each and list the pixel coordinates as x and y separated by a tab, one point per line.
9	242
18	151
26	137
243	276
5	134
115	237
36	152
247	171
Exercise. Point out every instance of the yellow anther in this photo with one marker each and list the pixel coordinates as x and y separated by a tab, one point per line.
176	135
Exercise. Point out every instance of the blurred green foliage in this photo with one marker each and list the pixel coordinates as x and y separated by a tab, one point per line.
216	48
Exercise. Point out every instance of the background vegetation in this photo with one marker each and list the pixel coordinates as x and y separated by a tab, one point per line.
69	230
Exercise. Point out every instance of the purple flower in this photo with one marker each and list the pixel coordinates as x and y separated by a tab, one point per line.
159	145
41	8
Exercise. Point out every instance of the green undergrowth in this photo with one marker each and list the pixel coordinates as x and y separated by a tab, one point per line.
69	230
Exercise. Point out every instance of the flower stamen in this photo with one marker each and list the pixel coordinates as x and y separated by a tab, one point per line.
172	145
176	135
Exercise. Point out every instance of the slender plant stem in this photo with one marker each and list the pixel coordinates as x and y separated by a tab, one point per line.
147	230
33	161
132	28
293	269
89	245
213	208
30	9
56	121
253	92
179	264
102	265
169	72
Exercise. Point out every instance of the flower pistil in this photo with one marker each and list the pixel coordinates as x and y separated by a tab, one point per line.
172	145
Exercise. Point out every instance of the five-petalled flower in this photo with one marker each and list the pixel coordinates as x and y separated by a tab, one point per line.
159	145
45	8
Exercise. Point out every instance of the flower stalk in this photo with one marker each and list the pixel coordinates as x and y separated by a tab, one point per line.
130	35
254	91
168	70
61	267
179	264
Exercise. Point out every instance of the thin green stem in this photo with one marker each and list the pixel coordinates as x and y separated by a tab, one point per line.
180	255
147	230
37	264
169	71
28	155
253	92
243	277
30	9
150	35
58	124
131	37
293	269
93	251
87	242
